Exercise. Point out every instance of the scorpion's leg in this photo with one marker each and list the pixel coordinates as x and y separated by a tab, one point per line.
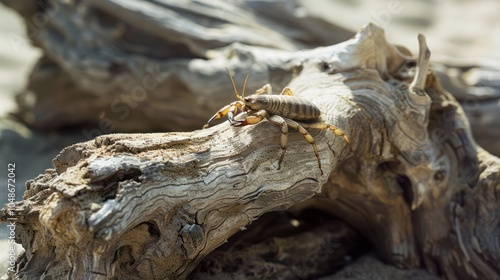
267	89
334	129
284	123
287	91
229	110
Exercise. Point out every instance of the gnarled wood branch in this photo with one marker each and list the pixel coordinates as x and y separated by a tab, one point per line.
153	205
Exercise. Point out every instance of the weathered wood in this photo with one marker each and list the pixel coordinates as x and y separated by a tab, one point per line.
477	89
153	205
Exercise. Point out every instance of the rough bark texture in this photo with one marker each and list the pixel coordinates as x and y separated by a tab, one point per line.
122	66
153	205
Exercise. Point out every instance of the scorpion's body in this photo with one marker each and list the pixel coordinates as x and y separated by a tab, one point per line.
294	108
284	110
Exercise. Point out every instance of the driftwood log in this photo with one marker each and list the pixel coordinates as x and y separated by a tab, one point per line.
123	66
153	205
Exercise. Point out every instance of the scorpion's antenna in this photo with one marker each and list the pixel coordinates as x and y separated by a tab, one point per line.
234	86
245	83
240	97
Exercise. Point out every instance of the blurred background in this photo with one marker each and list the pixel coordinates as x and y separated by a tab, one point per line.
36	83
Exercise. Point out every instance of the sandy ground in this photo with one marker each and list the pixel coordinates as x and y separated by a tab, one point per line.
457	31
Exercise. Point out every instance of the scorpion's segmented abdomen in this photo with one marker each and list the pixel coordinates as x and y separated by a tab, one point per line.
292	107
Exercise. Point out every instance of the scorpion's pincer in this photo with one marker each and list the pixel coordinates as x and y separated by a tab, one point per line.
238	120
